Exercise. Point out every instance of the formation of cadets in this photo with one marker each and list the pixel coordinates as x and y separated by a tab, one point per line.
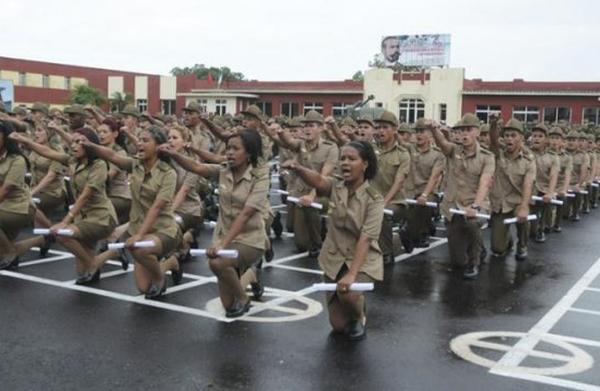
93	179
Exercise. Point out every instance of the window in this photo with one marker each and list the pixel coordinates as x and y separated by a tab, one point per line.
168	107
443	111
220	106
290	109
67	83
45	81
316	106
142	104
340	109
379	104
483	112
555	114
411	110
526	114
591	115
22	79
203	103
265	107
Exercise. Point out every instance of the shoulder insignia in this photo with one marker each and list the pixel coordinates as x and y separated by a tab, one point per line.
374	194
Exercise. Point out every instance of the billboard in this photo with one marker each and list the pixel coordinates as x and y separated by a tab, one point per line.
425	50
7	93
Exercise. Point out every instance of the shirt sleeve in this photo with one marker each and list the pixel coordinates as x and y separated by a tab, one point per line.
404	166
439	161
168	184
332	155
97	175
373	219
489	165
257	198
16	174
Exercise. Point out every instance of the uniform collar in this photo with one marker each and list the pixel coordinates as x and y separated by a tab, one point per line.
315	147
247	174
474	154
394	146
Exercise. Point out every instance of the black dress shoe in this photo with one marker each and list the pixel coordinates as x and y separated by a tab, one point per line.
314	253
540	237
576	217
557	229
355	330
406	241
155	291
521	255
269	254
547	230
422	243
125	257
277	226
237	309
257	287
13	264
88	278
471	272
48	240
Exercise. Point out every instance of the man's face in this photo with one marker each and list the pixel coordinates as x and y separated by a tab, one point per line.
312	131
467	136
422	137
512	140
555	142
250	122
391	49
364	132
385	132
484	138
130	121
190	118
538	140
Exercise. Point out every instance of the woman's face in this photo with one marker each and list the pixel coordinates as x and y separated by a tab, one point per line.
107	136
353	166
77	150
40	136
236	153
176	141
146	146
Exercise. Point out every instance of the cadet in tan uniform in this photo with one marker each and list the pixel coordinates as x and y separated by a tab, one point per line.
548	166
393	164
556	142
350	252
318	155
469	175
16	211
243	189
201	138
131	127
512	187
118	188
484	136
578	174
92	216
586	141
153	182
426	167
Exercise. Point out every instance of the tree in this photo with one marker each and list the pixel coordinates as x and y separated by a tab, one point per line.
86	95
202	71
358	76
118	101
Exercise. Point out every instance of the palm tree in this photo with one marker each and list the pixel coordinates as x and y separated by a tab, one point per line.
86	95
119	100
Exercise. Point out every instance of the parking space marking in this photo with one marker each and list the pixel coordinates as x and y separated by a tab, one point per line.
584	311
592	289
575	340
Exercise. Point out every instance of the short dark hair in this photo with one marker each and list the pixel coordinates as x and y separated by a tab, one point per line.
252	143
11	146
367	154
91	135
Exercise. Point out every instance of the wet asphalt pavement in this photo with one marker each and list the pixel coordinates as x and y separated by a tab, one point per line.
54	337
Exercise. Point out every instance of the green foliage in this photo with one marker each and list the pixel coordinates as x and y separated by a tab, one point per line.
118	101
202	71
86	95
358	76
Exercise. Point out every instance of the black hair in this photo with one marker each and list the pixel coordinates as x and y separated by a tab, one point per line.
366	153
252	143
91	135
11	146
159	136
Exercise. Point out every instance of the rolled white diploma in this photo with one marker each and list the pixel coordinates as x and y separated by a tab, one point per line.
36	200
140	244
513	220
356	287
462	212
279	191
552	201
200	252
46	231
296	200
430	204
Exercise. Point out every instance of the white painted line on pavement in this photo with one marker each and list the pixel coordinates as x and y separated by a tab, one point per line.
584	311
550	380
575	340
593	289
417	251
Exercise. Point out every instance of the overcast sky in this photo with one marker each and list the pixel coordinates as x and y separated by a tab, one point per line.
306	40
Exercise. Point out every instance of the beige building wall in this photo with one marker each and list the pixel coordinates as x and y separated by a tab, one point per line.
443	87
115	84
57	82
34	80
211	103
141	87
77	81
168	88
10	75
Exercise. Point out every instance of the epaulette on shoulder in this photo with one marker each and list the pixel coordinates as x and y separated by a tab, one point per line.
328	142
374	194
486	151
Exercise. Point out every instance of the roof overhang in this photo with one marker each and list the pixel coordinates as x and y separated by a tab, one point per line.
274	91
530	93
220	94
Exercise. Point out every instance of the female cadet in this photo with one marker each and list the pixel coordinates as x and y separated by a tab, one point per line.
243	189
118	188
16	212
351	251
92	216
153	182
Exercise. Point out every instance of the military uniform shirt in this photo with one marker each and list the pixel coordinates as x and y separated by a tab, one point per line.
507	190
325	152
250	189
422	165
97	209
192	204
148	186
12	172
580	159
547	164
463	175
41	166
391	165
351	215
118	186
566	165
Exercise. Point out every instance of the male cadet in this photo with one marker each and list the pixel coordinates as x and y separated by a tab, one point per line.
192	120
596	150
426	167
547	165
469	175
587	142
319	155
512	188
131	128
484	136
556	142
579	171
365	131
393	163
404	135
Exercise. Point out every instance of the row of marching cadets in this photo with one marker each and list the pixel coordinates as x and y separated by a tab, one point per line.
139	187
